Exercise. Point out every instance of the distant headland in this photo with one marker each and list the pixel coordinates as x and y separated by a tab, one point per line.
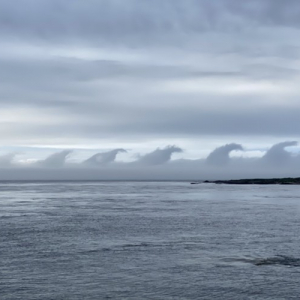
286	180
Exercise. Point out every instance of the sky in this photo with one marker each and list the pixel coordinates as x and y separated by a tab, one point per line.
160	89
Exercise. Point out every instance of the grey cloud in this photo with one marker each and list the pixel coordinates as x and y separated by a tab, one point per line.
157	165
111	18
159	156
63	82
220	156
188	121
197	121
68	83
55	160
277	155
103	157
118	92
60	77
106	18
267	72
269	12
6	160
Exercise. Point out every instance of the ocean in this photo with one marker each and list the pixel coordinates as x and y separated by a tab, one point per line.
148	240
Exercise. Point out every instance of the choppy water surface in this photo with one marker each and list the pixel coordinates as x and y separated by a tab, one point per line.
148	240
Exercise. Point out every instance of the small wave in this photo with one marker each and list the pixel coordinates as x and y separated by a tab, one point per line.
135	245
278	260
144	246
116	248
282	260
7	216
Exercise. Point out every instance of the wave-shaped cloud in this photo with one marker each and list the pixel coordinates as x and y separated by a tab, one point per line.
158	165
159	156
277	155
55	160
103	157
220	156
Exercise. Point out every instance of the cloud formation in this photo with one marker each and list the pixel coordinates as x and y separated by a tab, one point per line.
128	73
157	165
103	157
7	160
55	160
277	155
158	156
220	156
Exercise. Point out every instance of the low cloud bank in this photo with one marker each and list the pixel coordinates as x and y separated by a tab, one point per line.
278	161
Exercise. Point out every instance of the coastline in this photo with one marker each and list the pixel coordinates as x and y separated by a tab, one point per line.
285	181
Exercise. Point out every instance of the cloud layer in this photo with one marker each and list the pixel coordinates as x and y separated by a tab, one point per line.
82	74
157	165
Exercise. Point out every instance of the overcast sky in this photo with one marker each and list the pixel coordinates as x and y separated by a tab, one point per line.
138	75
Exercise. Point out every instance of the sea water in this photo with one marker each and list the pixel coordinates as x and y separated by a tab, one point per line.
148	240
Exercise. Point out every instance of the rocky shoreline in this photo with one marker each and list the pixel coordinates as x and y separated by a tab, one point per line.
287	181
